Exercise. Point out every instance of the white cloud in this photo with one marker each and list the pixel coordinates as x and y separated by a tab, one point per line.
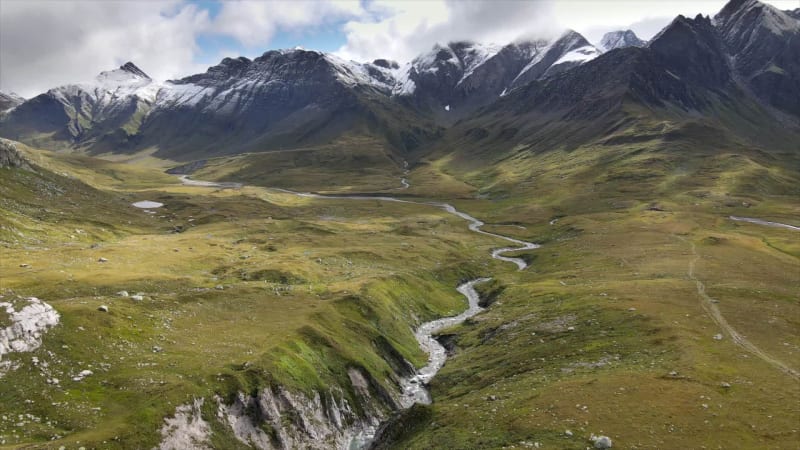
403	30
256	22
45	44
594	18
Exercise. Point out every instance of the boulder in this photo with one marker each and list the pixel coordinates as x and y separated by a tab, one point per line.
602	442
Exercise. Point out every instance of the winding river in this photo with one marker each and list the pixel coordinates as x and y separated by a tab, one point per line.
414	388
764	222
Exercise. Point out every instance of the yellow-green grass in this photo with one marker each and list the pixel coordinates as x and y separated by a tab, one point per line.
615	267
307	286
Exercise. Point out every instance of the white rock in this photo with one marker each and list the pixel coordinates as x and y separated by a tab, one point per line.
101	259
602	442
102	308
717	337
568	433
24	334
83	374
123	293
137	298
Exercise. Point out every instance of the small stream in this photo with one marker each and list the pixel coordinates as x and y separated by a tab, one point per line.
764	222
414	388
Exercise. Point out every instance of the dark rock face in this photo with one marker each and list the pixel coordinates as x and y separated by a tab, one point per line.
620	39
765	44
131	68
386	64
693	50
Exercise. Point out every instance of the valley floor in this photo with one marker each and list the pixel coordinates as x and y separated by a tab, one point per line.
665	325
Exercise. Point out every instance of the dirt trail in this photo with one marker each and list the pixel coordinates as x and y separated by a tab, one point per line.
713	311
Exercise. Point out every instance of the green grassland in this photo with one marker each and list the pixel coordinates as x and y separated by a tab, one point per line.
604	333
242	288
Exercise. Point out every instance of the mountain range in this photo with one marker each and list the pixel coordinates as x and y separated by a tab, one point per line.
741	65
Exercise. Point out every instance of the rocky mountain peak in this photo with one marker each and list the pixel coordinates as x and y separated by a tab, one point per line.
126	74
692	48
620	39
572	38
742	20
132	69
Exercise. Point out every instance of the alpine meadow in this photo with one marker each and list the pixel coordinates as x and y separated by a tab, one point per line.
556	241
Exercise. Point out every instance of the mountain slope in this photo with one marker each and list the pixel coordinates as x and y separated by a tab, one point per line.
293	99
764	44
685	75
282	99
568	51
106	113
9	100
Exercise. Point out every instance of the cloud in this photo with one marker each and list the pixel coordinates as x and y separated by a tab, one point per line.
402	30
256	22
45	44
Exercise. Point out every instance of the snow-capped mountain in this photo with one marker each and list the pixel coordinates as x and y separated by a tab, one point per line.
280	98
452	80
116	102
9	100
292	98
568	51
455	80
620	39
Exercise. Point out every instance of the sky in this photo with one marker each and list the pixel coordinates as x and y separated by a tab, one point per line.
47	43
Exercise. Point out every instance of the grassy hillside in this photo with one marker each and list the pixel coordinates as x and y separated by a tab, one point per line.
612	329
240	289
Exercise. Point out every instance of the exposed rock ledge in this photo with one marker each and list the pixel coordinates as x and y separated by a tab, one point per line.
21	330
279	419
11	157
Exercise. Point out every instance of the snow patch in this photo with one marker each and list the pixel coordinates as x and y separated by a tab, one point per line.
404	85
538	55
579	55
475	56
